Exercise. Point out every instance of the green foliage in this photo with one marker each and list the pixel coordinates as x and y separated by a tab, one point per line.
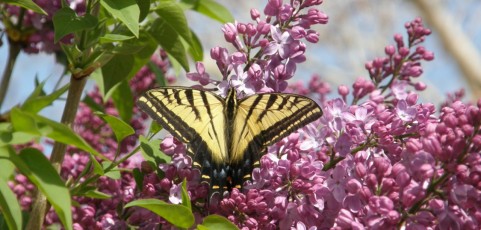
9	137
159	75
169	40
5	164
127	11
92	104
185	195
97	167
216	222
195	48
27	4
144	7
113	173
37	125
211	9
139	178
11	211
124	101
151	152
96	194
36	101
36	167
178	215
119	127
9	205
124	66
66	21
109	38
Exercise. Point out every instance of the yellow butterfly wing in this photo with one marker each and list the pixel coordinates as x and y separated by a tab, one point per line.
194	117
262	120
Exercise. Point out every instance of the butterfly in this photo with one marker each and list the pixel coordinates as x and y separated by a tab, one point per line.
227	136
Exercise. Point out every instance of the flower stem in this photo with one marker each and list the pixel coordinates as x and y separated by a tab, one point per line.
40	205
13	51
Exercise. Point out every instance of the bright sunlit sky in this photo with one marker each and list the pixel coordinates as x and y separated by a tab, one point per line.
338	61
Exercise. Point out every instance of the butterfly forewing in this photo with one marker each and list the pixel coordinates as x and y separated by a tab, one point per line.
264	119
192	116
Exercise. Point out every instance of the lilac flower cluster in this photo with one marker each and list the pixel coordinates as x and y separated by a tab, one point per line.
384	161
267	51
36	32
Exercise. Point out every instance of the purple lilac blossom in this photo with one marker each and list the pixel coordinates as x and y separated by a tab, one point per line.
383	161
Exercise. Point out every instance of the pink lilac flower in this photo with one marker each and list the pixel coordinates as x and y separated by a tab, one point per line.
280	43
383	161
372	164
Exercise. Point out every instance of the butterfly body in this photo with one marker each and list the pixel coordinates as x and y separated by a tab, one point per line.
227	137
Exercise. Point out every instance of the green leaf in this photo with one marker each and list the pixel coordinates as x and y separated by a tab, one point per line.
123	67
66	21
92	104
8	168
96	194
117	70
119	127
144	6
175	65
185	196
113	173
27	4
151	151
80	191
38	91
127	48
98	169
177	215
170	41
40	126
34	165
23	123
114	38
195	48
154	127
217	222
97	60
127	11
7	137
172	14
124	101
139	178
159	74
214	10
72	52
35	104
9	205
